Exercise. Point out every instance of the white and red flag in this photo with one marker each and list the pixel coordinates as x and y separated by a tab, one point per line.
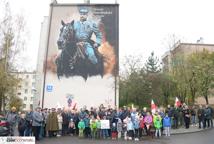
153	107
177	102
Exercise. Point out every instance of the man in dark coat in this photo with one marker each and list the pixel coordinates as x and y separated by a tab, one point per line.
200	114
22	125
186	113
207	116
29	120
65	122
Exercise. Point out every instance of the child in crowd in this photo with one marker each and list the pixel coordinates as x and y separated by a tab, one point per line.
98	123
148	122
125	121
71	127
157	125
119	128
130	129
81	126
167	124
104	130
136	124
142	125
114	131
87	130
93	126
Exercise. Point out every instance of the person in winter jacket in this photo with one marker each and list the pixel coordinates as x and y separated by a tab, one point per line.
125	121
148	120
200	114
207	116
142	126
12	119
136	124
59	117
71	127
81	126
157	125
93	126
22	124
114	131
65	122
87	130
119	128
186	113
98	123
52	123
29	120
167	124
37	122
130	129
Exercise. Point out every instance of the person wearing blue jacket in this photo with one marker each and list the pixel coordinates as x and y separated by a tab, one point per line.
167	124
136	125
84	28
87	129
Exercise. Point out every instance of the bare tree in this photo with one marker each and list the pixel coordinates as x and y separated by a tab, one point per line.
12	43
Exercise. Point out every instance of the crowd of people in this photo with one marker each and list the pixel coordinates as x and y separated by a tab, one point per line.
102	123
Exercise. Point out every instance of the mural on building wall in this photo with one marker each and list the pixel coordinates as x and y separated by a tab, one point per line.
85	41
82	57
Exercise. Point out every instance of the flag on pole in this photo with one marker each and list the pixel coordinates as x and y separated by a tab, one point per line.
153	107
73	105
177	102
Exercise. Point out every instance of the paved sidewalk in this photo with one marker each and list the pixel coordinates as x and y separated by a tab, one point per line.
183	130
180	130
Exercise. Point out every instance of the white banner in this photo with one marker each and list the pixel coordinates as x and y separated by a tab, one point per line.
105	124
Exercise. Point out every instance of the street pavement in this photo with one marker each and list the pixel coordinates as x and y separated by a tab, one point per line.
183	130
199	137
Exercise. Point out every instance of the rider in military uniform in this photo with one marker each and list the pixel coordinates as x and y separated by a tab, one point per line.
83	31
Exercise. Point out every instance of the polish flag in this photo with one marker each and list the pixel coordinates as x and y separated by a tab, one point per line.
177	102
153	107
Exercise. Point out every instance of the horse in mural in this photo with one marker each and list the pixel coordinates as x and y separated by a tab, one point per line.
72	60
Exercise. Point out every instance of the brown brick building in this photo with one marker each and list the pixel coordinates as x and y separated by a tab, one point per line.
186	49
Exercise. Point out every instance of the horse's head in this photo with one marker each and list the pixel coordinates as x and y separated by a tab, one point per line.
66	34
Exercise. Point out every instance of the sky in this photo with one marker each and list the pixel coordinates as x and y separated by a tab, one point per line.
144	25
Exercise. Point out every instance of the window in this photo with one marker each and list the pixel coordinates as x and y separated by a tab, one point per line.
31	98
19	86
26	91
25	98
31	106
26	83
19	93
24	105
27	76
33	84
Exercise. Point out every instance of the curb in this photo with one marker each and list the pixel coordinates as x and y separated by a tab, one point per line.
179	133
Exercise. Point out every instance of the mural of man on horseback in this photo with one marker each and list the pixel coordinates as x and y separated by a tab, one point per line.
78	51
82	54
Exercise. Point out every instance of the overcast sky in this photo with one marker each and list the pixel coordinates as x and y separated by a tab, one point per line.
144	24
